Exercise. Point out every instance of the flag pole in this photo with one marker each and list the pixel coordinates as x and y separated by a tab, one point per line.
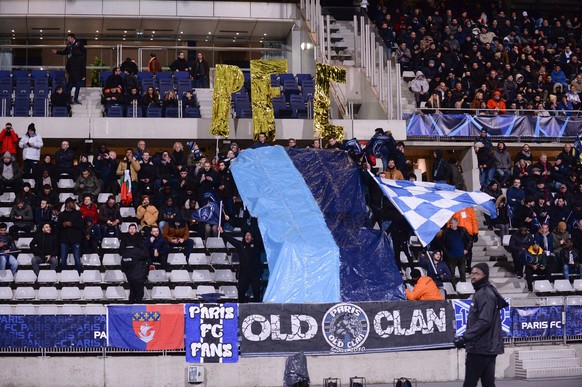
219	218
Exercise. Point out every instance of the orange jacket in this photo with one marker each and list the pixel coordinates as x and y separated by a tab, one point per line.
467	219
492	104
424	290
393	174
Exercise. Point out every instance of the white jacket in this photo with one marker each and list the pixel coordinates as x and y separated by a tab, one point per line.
31	147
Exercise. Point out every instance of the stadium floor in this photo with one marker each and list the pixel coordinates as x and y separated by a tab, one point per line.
503	383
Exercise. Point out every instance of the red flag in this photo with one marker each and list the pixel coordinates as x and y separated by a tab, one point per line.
160	326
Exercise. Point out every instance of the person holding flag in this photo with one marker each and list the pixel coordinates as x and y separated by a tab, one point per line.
127	171
209	215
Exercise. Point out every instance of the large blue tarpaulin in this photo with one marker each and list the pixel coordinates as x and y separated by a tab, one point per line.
451	125
368	271
301	252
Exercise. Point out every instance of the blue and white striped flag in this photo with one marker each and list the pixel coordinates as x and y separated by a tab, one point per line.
429	206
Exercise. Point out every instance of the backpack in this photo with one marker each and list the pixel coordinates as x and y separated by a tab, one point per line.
403	382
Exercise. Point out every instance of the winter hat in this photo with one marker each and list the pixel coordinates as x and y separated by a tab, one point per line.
415	273
31	127
483	267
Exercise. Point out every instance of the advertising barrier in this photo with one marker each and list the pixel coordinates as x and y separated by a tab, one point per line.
271	329
450	125
462	311
538	321
52	331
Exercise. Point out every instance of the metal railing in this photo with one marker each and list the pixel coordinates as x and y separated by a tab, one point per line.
492	112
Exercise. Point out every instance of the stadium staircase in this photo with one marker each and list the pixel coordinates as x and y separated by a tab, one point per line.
344	50
547	364
489	249
90	107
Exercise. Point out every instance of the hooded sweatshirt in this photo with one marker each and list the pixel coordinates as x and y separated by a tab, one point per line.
419	84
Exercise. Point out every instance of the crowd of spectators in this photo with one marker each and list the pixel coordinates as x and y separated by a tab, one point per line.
477	56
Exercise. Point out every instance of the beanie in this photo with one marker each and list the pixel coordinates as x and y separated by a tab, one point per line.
31	127
483	267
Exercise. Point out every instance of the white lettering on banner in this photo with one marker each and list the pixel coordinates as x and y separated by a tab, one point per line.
99	335
541	324
303	327
212	312
214	329
387	324
209	350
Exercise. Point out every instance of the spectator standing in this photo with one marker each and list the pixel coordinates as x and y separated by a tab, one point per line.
64	159
467	218
10	174
9	140
180	64
45	248
134	263
154	64
70	226
456	242
249	269
76	61
483	336
502	163
30	143
200	72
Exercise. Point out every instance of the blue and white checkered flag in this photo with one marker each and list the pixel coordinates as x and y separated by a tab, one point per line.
429	206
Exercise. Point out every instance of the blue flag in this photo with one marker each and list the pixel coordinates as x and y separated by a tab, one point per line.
210	213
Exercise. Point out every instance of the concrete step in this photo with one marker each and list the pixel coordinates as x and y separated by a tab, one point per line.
547	363
543	373
555	353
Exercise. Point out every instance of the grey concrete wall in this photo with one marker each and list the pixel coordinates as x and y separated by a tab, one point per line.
156	371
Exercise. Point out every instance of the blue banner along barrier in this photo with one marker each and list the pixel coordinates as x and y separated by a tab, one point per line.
461	308
211	333
537	321
52	331
278	329
451	125
574	320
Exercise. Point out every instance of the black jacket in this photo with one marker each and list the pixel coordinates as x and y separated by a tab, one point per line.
73	234
135	257
484	335
249	254
44	244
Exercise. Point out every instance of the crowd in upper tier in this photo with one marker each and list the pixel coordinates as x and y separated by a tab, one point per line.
478	56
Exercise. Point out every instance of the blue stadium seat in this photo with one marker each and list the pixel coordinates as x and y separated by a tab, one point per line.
39	107
280	107
19	74
163	75
181	75
22	107
184	85
5	106
115	111
141	75
60	111
5	88
298	106
286	77
171	112
57	82
38	74
303	77
148	82
137	113
308	89
165	85
290	88
41	88
192	112
4	74
154	112
22	87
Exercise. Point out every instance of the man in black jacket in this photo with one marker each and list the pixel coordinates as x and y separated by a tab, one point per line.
483	337
134	262
45	248
70	226
249	269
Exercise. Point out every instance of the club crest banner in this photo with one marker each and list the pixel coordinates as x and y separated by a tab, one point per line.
278	329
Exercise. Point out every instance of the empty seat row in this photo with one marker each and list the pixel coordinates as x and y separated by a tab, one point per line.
184	276
559	286
114	293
